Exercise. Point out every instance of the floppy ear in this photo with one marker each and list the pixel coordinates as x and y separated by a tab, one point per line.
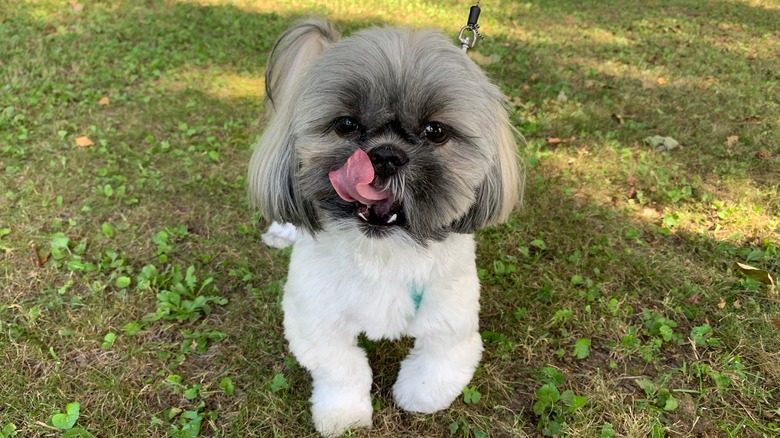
502	187
292	55
273	179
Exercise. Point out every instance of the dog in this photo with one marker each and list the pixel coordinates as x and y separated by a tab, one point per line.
386	150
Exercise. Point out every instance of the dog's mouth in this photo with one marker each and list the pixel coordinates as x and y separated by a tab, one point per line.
355	182
384	214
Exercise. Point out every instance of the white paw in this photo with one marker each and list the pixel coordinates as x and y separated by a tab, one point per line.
424	394
430	381
279	235
333	417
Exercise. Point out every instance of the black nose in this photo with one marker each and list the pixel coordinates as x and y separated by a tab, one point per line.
387	159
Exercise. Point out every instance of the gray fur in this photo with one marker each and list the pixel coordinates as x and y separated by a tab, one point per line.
393	81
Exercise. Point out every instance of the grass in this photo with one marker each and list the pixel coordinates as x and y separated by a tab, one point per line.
137	300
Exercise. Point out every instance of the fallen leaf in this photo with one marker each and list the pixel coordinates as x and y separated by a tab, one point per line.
40	260
552	141
562	97
775	322
76	6
84	142
693	299
759	275
662	143
103	100
593	85
731	140
751	119
484	60
721	304
737	304
534	78
650	213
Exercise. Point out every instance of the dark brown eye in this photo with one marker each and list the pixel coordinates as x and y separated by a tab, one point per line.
436	132
344	126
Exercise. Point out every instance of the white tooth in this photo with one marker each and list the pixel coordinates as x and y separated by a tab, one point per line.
362	216
392	218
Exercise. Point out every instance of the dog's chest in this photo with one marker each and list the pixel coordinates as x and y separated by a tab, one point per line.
376	287
384	292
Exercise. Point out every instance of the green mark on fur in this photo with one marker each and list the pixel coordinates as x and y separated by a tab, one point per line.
417	295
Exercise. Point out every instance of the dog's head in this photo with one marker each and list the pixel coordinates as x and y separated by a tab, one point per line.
391	131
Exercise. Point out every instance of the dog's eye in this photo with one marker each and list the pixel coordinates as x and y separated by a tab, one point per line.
344	126
436	132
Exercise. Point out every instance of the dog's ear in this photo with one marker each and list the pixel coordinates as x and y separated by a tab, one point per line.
502	187
273	170
292	56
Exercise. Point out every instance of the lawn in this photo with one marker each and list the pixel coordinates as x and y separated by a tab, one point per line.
136	298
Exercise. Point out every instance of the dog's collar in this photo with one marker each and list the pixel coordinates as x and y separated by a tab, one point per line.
469	33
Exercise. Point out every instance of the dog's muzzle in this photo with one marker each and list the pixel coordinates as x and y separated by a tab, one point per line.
356	182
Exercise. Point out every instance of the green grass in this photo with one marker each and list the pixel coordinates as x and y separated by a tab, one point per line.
134	283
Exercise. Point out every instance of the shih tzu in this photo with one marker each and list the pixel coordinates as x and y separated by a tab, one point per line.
387	150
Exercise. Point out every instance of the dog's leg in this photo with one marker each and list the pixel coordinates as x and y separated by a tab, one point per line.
341	376
446	351
435	372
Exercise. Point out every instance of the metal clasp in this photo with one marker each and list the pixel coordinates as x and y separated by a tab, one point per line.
467	42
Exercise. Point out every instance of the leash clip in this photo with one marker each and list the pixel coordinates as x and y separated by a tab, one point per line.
469	33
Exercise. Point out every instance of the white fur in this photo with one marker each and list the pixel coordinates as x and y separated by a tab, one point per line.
279	236
342	283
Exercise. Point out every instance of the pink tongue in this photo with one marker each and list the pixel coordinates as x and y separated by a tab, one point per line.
352	181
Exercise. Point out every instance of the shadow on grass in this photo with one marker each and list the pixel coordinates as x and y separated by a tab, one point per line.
609	61
144	58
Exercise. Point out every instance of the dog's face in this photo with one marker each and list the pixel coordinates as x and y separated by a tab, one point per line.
391	131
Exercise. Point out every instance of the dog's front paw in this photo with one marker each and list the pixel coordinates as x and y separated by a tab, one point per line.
336	411
431	378
425	393
279	235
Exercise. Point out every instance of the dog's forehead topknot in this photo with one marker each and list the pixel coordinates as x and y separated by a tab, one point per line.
408	72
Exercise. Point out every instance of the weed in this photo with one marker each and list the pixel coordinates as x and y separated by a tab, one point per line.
471	395
581	349
67	420
702	336
179	296
657	396
462	427
200	341
278	383
553	407
227	386
8	431
108	340
658	326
